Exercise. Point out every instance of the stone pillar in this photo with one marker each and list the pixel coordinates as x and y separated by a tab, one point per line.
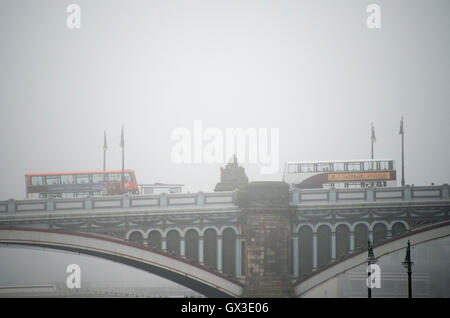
352	241
182	247
126	201
201	260
333	246
164	244
267	230
219	254
407	193
11	206
314	251
389	233
295	255
237	258
445	192
163	201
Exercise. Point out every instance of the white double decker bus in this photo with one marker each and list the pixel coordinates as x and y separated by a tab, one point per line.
340	174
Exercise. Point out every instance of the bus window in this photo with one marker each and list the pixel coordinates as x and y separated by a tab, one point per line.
384	165
98	177
114	177
67	195
82	194
51	180
338	166
307	167
128	177
323	167
82	178
67	179
369	165
37	180
292	168
354	166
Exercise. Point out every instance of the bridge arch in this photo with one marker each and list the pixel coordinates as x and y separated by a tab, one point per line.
154	230
166	232
360	222
191	242
206	228
398	223
189	228
379	231
298	227
337	224
372	225
173	241
316	227
155	239
343	240
129	232
232	227
137	238
421	235
195	277
361	234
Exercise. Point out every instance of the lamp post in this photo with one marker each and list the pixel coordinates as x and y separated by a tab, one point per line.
370	260
407	263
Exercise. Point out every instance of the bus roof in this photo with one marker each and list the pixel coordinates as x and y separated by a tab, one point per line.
77	172
331	161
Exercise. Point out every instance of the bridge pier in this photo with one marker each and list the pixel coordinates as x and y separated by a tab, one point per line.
267	230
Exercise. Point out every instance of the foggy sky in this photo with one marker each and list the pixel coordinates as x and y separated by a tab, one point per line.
310	68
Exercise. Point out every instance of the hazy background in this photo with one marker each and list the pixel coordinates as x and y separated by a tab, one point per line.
310	68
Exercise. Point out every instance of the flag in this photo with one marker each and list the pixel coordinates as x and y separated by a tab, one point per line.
105	145
373	134
122	140
401	132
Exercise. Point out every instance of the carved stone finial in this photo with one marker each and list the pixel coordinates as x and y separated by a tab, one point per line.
231	176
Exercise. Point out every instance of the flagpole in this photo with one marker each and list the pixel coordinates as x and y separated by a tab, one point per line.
372	138
402	132
104	152
122	143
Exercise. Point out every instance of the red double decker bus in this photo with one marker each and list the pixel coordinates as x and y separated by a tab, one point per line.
80	184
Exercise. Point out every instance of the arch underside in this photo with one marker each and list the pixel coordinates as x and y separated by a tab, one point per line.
418	236
205	288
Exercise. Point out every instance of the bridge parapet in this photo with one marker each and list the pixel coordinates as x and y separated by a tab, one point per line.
133	202
379	195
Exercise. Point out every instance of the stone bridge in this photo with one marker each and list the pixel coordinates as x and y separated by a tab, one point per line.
263	240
